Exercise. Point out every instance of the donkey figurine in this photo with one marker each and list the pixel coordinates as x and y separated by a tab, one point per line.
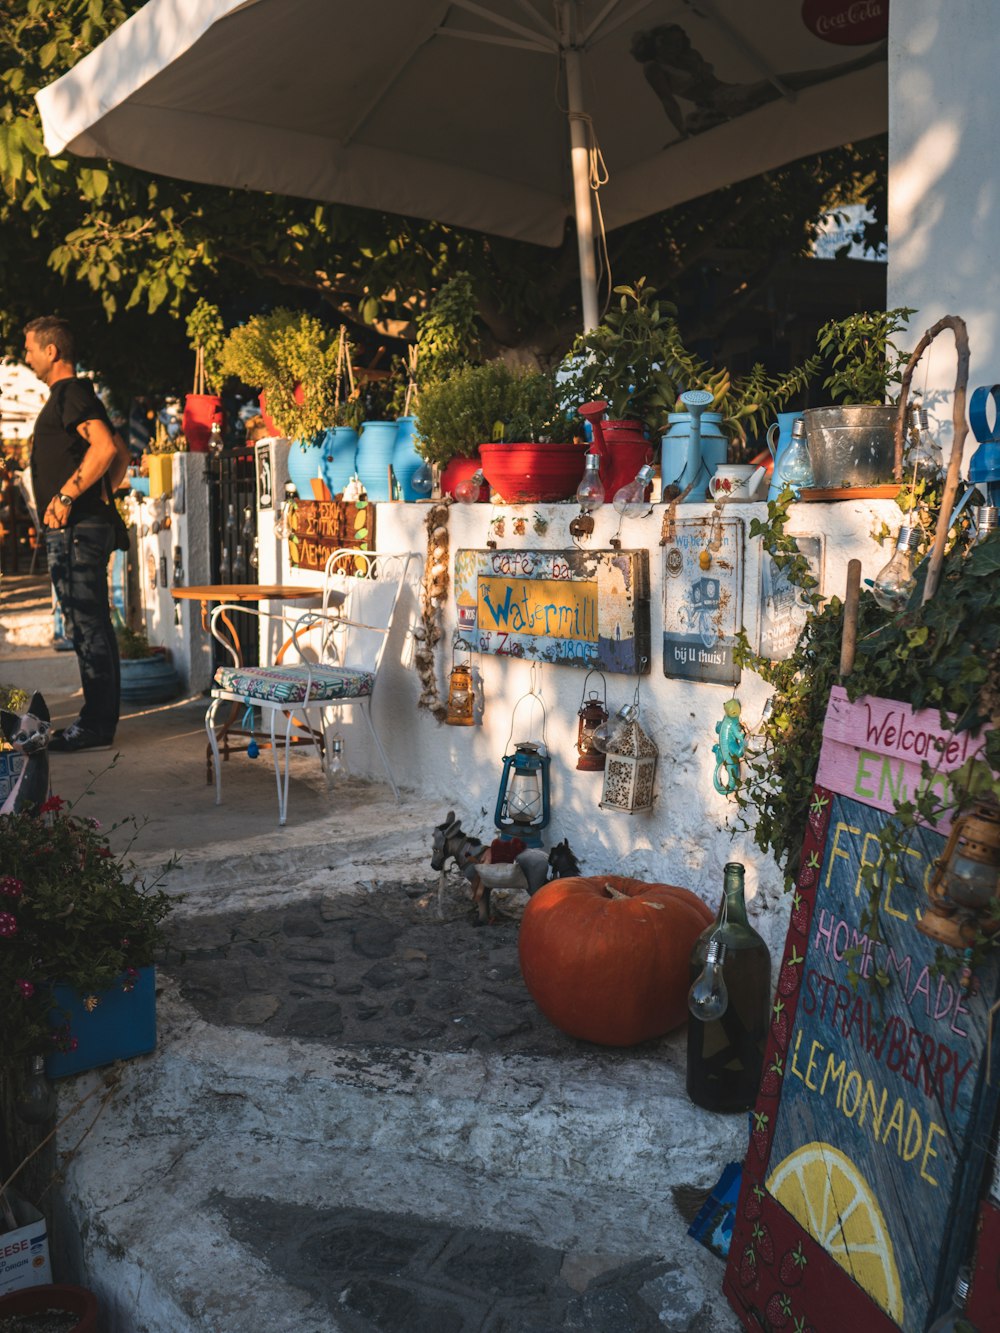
29	735
487	868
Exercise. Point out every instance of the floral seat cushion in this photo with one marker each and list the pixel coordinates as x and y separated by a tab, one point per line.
288	684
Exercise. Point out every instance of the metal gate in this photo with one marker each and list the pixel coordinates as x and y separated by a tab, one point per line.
233	508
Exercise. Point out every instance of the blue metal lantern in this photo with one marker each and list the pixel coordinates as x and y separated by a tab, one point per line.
523	808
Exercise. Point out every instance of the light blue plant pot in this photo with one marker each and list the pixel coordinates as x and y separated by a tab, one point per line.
406	462
376	445
304	460
340	449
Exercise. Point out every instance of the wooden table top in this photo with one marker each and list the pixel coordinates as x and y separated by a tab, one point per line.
248	592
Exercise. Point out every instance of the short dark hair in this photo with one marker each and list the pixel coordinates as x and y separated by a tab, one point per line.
53	329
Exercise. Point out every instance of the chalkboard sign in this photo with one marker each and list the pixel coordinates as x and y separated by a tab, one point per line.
869	1137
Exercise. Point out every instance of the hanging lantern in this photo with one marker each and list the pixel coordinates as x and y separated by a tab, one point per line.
631	766
523	799
592	713
966	879
461	694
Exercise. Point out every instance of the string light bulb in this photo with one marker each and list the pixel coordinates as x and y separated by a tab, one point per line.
467	492
708	998
631	501
894	583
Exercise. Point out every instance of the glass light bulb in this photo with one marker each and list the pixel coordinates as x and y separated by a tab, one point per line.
923	457
336	768
609	732
708	998
631	500
590	492
794	467
895	582
422	480
467	492
37	1100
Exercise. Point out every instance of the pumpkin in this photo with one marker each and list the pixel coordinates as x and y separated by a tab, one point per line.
607	958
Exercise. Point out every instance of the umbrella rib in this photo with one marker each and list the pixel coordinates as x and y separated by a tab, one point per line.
501	22
548	28
707	9
368	110
492	39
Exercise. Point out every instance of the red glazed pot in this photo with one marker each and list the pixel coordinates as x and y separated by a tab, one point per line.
533	473
626	450
68	1300
462	469
200	410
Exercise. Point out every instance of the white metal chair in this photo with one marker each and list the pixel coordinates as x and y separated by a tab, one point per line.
337	653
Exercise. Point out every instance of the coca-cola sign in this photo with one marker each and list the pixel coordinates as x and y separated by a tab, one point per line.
847	22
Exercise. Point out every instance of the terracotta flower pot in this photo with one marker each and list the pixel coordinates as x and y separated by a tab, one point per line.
69	1300
533	473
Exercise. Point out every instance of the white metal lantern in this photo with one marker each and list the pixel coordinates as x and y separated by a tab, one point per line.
630	768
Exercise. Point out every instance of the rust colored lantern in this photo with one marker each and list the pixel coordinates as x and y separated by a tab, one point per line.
592	712
461	693
966	880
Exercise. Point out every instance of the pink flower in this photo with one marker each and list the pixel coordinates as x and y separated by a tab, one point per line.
54	803
11	887
8	924
25	987
94	823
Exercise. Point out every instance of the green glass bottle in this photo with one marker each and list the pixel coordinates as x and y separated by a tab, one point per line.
725	1054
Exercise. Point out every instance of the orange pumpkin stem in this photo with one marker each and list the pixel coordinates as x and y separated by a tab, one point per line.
612	892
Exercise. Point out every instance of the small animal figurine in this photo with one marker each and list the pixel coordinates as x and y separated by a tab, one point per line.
729	749
562	861
29	735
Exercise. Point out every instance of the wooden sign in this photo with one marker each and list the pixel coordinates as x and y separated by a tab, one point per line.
703	600
317	527
870	1133
586	609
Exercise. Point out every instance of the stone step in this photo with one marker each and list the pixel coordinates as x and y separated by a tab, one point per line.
488	1186
39	668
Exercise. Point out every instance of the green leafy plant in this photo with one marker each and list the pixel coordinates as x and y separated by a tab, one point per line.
447	333
943	655
132	643
207	334
292	357
72	911
493	401
866	363
629	359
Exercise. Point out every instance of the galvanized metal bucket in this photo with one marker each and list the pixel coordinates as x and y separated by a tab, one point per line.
851	445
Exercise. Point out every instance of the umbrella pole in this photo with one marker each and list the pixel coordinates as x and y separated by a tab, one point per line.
580	158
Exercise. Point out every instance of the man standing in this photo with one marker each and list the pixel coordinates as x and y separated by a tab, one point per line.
76	463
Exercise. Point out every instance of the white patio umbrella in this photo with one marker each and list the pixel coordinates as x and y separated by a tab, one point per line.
462	110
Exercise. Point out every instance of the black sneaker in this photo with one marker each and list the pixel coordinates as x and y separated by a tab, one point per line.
78	737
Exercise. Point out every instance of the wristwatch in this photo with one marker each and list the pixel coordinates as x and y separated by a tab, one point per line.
66	500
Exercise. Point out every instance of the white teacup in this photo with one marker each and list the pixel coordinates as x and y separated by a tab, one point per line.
735	482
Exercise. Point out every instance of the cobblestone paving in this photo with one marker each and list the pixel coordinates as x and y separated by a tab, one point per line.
371	967
400	1274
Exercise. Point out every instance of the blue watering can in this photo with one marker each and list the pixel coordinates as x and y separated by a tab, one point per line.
693	447
779	437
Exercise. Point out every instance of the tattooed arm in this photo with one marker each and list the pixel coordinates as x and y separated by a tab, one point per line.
106	453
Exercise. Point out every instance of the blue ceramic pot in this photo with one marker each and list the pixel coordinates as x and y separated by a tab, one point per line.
405	459
121	1025
149	680
340	448
304	461
376	445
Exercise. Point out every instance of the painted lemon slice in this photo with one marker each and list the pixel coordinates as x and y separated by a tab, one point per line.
827	1195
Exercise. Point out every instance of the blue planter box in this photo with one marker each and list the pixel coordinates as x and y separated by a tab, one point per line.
122	1025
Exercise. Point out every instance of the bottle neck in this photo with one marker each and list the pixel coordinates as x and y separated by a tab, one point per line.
734	905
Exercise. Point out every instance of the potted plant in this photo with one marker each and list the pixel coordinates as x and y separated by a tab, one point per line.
291	356
202	406
627	363
853	444
79	932
147	674
509	417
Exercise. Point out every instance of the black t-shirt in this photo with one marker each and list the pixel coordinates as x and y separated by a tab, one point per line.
58	447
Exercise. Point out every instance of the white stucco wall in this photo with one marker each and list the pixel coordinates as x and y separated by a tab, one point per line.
685	839
944	198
